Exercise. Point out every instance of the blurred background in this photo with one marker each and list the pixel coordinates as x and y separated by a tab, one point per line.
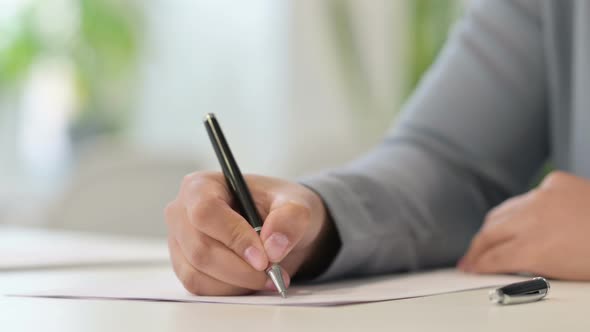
101	101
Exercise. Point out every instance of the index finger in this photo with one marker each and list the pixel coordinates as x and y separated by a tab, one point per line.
208	184
487	238
207	204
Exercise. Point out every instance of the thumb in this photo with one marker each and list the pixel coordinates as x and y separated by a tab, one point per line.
283	228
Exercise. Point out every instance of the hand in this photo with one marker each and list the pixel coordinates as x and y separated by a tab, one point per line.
215	251
544	232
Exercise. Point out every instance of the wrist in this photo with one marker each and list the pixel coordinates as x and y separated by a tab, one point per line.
326	245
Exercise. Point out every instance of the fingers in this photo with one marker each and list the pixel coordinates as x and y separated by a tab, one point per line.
503	258
197	282
210	184
207	208
502	224
506	209
214	249
487	238
283	229
212	258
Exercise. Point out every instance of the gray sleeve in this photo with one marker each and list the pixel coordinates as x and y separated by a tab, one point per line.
474	133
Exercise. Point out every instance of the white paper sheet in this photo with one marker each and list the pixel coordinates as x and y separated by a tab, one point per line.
163	285
31	248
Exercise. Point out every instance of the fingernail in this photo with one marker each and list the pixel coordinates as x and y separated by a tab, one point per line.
275	246
255	258
270	286
287	279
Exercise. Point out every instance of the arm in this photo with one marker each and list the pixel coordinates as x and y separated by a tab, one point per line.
473	134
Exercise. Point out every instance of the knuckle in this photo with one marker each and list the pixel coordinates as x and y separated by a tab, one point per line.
293	218
202	176
188	179
188	277
195	182
303	218
200	255
539	198
481	239
539	190
192	283
203	211
238	238
194	185
193	176
490	216
301	211
534	193
554	178
169	211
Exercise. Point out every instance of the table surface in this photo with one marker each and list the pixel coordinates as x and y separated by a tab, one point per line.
565	308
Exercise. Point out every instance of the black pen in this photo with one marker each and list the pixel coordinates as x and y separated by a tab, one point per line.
240	190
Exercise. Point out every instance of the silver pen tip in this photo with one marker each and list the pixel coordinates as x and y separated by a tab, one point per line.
274	273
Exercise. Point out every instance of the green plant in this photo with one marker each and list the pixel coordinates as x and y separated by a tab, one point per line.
101	47
349	53
429	21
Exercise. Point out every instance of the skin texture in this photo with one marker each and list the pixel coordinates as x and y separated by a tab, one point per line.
215	251
543	232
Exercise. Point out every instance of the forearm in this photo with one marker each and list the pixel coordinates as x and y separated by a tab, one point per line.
401	208
474	133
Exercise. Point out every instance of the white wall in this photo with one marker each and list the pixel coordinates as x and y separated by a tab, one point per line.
267	68
328	129
221	56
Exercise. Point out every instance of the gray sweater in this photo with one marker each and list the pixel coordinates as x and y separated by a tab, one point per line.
510	91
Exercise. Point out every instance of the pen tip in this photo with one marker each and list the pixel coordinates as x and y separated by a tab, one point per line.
274	273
